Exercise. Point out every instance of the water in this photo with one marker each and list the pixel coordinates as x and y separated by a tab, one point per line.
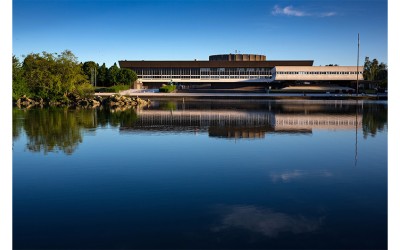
202	174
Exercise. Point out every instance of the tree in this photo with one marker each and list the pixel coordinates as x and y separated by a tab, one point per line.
375	71
371	69
382	72
126	76
52	76
112	75
19	86
70	72
90	69
102	73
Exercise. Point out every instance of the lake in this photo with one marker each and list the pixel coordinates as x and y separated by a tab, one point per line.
210	174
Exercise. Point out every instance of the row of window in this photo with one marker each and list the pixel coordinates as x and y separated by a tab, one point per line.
203	77
317	73
202	71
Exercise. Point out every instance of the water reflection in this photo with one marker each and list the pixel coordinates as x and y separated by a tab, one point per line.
266	221
288	182
61	129
55	129
288	176
374	119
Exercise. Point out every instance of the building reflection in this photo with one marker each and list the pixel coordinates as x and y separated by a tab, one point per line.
240	124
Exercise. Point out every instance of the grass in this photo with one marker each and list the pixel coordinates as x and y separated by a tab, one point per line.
112	89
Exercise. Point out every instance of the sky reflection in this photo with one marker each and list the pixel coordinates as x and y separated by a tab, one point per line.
266	221
288	176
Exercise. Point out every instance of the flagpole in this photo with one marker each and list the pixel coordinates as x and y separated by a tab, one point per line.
358	58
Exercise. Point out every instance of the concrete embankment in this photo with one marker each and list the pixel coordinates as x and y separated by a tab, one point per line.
111	100
262	96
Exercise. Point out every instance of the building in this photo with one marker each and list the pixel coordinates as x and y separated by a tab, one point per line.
235	70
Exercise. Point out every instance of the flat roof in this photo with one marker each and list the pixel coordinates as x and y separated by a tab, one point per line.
213	64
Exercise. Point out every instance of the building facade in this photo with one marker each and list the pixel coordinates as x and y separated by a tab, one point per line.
317	73
235	70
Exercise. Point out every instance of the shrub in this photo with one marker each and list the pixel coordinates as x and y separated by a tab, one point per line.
118	88
168	88
84	90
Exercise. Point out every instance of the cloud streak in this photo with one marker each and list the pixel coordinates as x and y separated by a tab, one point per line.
291	11
287	11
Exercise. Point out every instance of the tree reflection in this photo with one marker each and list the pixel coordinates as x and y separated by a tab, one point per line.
374	119
56	129
61	129
17	123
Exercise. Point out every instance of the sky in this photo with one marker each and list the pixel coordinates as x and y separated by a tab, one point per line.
106	31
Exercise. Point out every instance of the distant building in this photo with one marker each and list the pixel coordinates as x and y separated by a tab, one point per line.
233	70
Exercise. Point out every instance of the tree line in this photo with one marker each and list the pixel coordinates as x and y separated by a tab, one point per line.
53	76
107	77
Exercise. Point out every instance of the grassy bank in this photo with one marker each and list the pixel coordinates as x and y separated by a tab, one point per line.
112	89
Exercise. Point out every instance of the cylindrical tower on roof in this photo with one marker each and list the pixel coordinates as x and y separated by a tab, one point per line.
237	57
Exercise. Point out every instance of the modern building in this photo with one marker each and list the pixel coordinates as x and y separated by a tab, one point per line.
236	70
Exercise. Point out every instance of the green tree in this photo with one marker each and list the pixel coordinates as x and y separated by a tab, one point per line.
126	76
382	75
102	73
90	69
19	86
52	76
70	72
112	75
375	71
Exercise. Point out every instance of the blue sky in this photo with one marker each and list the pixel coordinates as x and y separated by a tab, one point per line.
108	31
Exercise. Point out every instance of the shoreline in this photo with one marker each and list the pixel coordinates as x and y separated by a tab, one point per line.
258	96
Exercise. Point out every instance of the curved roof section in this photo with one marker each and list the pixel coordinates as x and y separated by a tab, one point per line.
237	57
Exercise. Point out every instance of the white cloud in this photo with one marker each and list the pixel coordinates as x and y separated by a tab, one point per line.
291	11
288	11
328	14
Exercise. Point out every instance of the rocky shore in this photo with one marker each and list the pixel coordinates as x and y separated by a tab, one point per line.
72	100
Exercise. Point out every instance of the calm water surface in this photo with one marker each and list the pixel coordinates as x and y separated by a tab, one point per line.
202	174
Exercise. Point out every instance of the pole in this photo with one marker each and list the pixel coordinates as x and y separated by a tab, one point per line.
95	79
356	150
358	58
